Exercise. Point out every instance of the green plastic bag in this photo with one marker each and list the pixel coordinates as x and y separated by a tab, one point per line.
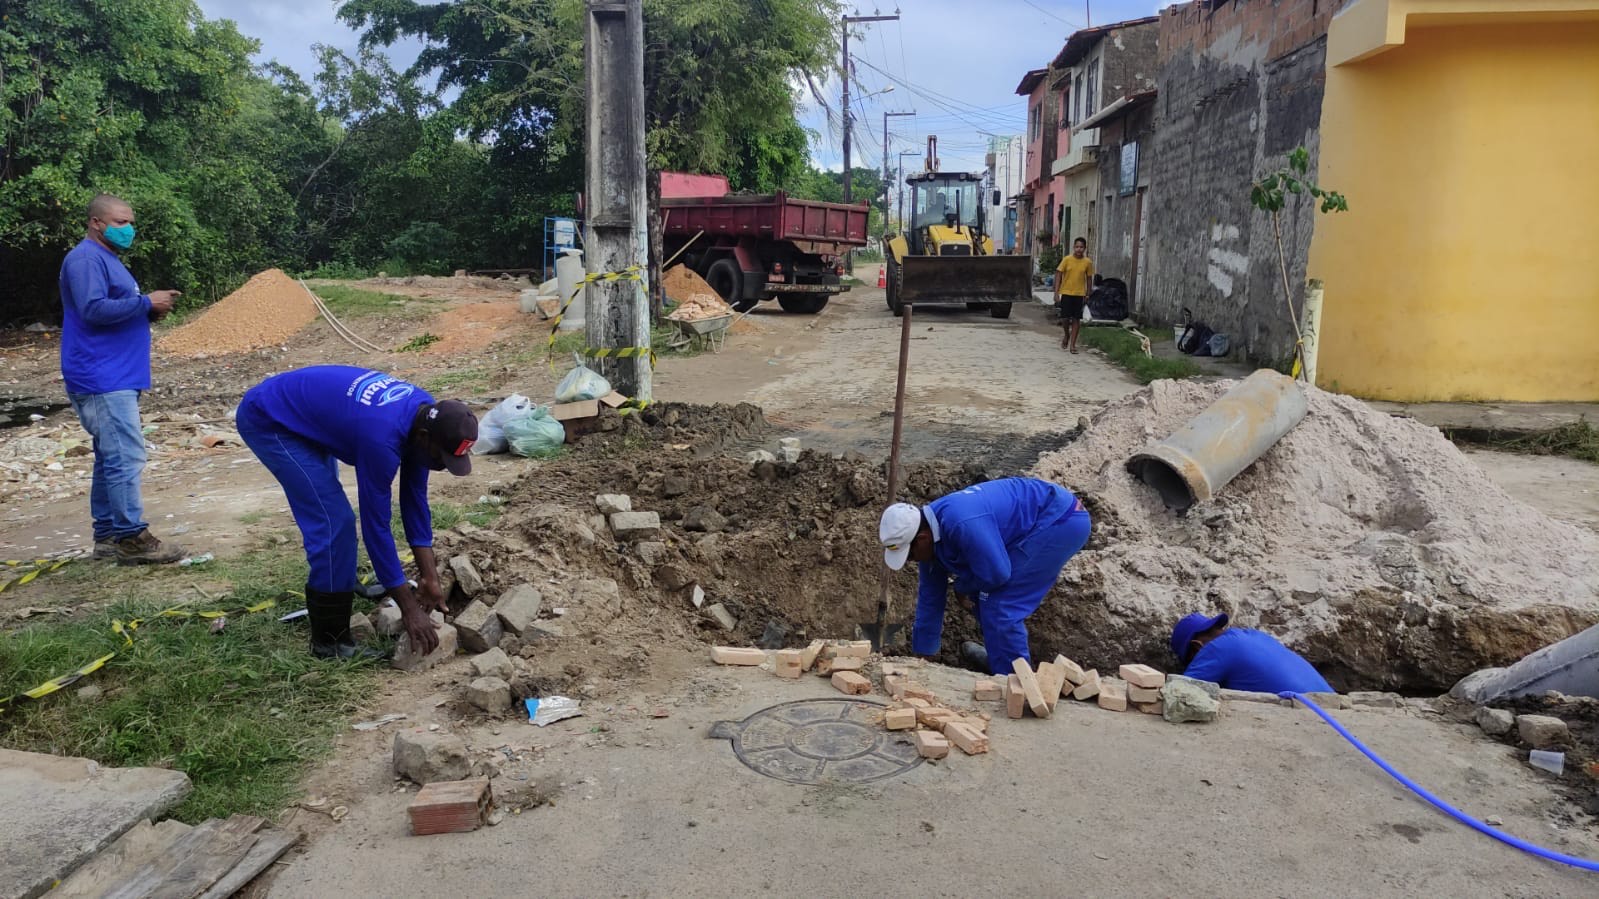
536	436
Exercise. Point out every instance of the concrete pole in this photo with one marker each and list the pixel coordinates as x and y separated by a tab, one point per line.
618	315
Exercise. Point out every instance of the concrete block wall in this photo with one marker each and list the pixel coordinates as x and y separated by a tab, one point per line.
1241	86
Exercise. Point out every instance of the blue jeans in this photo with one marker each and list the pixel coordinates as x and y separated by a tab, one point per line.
1036	563
309	475
112	420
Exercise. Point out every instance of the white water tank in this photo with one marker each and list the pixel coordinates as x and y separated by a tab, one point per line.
569	274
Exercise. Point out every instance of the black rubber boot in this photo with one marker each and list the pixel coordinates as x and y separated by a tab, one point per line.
329	614
974	656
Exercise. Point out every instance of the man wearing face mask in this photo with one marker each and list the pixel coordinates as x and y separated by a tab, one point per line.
105	362
301	424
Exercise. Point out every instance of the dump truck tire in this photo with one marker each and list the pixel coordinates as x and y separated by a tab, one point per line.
803	305
726	279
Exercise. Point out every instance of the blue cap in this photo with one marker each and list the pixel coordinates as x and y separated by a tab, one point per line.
1188	628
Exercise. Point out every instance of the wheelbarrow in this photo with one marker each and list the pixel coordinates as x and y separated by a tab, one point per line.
711	331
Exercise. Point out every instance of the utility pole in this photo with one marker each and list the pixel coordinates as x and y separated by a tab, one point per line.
886	116
848	118
618	315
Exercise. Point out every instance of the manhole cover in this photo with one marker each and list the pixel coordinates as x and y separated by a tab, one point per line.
814	741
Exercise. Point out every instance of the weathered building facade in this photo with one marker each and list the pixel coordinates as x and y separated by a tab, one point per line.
1126	138
1240	86
1040	190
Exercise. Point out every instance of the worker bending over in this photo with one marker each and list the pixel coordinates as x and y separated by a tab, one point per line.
1002	543
1241	658
301	424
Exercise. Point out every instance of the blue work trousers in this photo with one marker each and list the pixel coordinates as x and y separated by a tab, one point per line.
112	420
1036	563
310	479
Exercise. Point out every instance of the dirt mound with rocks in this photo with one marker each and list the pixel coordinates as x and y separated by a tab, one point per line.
1368	542
269	309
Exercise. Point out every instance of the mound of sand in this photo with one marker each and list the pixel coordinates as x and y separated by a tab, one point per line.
1369	542
682	284
269	309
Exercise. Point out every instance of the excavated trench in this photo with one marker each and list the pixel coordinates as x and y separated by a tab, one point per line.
789	550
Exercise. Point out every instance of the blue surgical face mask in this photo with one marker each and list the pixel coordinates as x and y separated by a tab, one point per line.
119	236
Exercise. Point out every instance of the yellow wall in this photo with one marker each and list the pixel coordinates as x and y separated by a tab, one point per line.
1468	265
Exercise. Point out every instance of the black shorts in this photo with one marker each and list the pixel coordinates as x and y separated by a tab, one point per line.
1070	308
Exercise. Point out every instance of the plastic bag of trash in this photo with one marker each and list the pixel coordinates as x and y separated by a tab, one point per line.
535	435
551	709
491	427
580	384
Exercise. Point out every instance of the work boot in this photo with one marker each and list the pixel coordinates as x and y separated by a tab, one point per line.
105	550
974	656
144	549
329	615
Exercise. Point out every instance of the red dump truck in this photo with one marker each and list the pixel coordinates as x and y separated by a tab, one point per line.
751	248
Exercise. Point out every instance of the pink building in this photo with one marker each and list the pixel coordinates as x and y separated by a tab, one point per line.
1042	192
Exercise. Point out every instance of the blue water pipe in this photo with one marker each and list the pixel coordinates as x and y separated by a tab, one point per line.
1441	805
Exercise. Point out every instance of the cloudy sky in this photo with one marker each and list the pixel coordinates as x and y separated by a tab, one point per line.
955	63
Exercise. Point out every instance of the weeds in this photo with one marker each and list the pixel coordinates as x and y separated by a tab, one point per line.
354	302
1577	439
1123	349
418	342
243	712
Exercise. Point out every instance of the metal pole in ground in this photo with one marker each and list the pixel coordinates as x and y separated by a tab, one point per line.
893	466
618	317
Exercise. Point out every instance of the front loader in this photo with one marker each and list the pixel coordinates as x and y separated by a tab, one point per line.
945	258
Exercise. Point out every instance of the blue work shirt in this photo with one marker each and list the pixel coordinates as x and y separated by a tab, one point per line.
363	418
105	328
973	532
1245	659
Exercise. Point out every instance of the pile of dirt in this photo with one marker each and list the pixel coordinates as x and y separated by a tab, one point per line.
1366	541
682	284
269	309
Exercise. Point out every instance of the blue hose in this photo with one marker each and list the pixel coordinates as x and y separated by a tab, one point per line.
1441	805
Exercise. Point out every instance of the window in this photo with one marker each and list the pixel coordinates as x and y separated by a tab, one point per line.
1093	86
1065	109
1079	92
1033	122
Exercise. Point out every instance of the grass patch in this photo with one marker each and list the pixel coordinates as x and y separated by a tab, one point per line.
1577	440
418	342
255	517
1123	349
448	515
355	302
460	380
243	712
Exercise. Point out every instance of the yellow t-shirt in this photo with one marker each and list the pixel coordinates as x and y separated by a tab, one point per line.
1073	276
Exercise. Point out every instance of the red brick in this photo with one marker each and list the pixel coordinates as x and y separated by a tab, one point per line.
930	745
1074	673
1113	694
1030	688
900	719
967	738
914	690
1142	694
1051	677
894	685
826	666
451	806
1015	700
1142	676
738	655
788	663
986	691
1089	688
808	654
851	683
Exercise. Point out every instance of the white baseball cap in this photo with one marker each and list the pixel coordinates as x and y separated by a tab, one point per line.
897	529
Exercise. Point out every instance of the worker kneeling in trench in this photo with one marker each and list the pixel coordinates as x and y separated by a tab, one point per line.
1002	543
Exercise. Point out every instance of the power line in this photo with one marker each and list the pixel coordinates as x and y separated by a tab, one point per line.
1050	14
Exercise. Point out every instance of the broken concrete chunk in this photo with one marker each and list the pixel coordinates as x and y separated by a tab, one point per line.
1495	722
612	503
361	629
674	577
519	607
600	599
789	447
466	576
408	659
1142	676
1543	731
1187	699
674	486
388	621
636	525
738	655
651	552
494	663
479	627
759	456
491	694
424	757
704	519
697	596
719	613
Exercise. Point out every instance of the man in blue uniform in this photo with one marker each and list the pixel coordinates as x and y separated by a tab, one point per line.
1002	543
105	362
301	424
1241	658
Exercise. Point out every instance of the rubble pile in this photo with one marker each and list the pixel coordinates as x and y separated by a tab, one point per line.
1368	542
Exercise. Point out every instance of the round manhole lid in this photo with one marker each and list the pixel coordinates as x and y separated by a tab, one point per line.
813	741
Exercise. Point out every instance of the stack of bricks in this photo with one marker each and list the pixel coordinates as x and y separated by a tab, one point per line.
1040	691
1143	687
936	727
828	659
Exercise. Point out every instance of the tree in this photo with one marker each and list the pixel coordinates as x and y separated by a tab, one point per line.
1270	194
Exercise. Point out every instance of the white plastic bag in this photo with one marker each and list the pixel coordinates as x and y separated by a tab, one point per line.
535	435
491	427
581	384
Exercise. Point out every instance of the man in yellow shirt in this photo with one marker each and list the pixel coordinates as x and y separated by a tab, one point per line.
1072	278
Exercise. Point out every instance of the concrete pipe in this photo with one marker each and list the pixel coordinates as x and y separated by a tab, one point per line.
1198	460
1570	666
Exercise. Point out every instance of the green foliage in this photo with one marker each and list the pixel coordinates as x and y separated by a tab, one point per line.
420	341
1123	348
1270	193
353	302
1049	257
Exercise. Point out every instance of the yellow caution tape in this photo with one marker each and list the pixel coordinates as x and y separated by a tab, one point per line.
38	567
631	273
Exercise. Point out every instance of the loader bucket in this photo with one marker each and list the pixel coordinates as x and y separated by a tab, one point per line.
941	280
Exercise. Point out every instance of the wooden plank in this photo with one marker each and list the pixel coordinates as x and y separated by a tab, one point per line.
142	844
268	848
196	860
1030	688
